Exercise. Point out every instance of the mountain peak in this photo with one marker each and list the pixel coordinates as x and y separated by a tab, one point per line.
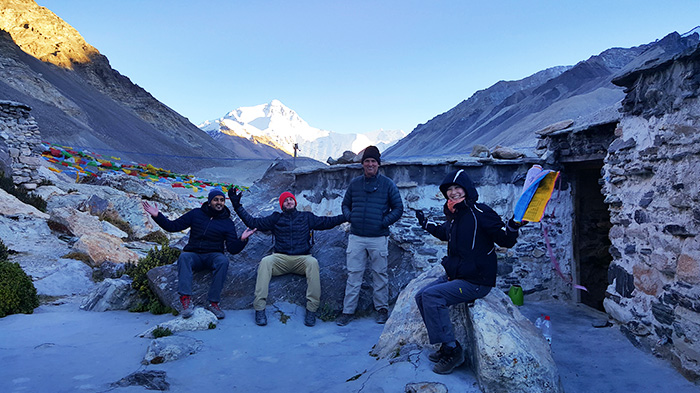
277	125
35	30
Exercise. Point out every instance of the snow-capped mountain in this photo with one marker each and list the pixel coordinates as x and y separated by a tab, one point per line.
276	125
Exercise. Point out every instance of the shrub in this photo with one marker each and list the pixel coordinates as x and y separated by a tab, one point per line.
156	237
155	257
4	252
160	331
17	291
79	256
21	193
119	223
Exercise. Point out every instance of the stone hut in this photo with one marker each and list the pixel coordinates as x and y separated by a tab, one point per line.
20	138
635	245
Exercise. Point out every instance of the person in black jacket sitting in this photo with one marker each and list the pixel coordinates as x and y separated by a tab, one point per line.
471	230
210	229
292	252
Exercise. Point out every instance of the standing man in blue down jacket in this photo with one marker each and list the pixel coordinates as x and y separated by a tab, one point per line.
371	204
211	229
470	231
292	252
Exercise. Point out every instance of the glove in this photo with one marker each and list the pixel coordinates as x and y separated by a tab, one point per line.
235	197
422	221
514	225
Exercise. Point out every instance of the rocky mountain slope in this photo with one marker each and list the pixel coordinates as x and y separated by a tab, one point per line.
509	113
79	100
276	125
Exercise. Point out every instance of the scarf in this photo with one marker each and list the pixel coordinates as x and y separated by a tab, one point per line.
451	204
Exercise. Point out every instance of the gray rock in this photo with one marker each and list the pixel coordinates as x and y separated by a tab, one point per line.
505	349
69	277
480	151
151	380
506	153
171	348
201	320
425	387
111	294
329	249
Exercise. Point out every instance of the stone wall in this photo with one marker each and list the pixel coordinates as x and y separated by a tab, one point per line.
20	144
652	186
499	183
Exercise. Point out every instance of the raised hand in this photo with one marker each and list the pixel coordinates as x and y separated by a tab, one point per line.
246	234
235	196
516	224
422	221
152	210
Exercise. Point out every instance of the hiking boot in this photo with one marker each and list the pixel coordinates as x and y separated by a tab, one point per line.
214	308
382	316
452	358
343	319
310	318
435	356
260	318
187	309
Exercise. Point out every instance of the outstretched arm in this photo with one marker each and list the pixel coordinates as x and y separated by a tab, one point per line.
152	210
177	225
323	222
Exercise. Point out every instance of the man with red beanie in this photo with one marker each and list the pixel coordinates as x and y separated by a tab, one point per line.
292	251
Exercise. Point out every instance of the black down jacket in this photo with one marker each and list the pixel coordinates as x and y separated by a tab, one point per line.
371	205
209	231
291	228
471	232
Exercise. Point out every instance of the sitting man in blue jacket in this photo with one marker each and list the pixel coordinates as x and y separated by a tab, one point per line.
292	252
211	228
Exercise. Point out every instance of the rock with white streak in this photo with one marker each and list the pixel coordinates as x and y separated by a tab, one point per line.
170	348
111	294
202	319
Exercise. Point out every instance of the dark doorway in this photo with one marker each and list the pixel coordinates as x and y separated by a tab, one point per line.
591	242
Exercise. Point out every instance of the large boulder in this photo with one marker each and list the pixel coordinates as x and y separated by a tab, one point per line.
329	249
507	353
111	294
103	247
10	206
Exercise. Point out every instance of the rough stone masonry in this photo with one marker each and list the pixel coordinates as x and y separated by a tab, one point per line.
19	133
652	186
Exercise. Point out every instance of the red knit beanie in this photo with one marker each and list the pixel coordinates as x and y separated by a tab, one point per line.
284	196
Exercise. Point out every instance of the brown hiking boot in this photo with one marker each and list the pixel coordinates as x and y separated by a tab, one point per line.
382	316
451	359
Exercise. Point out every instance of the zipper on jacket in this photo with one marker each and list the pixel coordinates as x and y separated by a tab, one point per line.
475	226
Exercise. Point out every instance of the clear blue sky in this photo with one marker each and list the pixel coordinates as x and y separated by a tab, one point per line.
354	66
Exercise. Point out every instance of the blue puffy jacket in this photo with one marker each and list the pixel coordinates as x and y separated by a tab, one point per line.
371	205
209	230
470	234
291	228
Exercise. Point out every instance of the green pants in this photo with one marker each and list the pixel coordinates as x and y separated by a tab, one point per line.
280	264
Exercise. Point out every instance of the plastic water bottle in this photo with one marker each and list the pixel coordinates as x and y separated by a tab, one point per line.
538	322
547	329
